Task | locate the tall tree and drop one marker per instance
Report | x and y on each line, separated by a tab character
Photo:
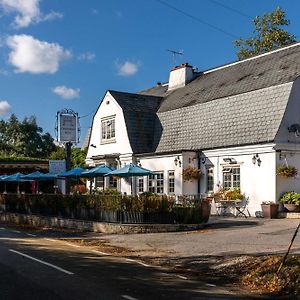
268	34
77	157
24	138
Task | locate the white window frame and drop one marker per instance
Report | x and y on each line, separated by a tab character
233	173
210	179
171	182
156	183
108	130
140	184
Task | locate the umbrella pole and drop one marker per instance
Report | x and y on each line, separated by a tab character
91	184
37	187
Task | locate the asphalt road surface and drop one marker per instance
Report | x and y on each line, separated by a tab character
36	267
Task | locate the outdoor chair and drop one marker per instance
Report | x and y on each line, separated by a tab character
242	208
218	205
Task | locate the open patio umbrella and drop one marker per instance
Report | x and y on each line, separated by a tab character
2	177
96	172
130	170
38	176
73	173
17	177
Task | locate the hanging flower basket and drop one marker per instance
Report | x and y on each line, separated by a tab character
191	173
287	171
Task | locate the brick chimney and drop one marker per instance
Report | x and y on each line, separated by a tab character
180	76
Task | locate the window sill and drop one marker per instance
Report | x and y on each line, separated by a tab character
111	141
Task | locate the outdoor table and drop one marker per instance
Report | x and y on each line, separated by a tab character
225	205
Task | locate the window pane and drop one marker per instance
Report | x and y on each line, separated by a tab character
171	181
140	184
210	179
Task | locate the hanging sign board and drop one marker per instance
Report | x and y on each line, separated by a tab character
67	127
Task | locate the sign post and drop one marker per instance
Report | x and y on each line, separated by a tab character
67	130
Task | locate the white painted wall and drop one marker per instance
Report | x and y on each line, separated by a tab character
257	183
180	76
109	107
164	163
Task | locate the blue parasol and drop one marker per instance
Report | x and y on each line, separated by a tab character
97	171
73	173
130	170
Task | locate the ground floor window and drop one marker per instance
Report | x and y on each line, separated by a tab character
171	182
113	182
231	177
156	183
210	179
140	184
99	182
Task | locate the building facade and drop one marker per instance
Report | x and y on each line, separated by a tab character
236	123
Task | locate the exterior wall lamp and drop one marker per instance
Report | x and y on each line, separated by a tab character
230	160
177	161
256	159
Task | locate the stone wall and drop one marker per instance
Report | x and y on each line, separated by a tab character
81	225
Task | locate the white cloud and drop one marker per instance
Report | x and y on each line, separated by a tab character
86	56
34	56
4	107
27	11
65	92
127	68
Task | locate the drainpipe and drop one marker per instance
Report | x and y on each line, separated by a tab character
199	167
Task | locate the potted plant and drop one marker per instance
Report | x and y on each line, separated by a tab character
191	173
287	171
233	194
269	209
291	201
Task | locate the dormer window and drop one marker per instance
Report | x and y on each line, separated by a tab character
108	133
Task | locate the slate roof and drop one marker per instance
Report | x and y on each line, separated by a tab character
252	74
249	118
238	104
140	118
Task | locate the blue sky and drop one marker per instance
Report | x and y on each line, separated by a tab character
59	54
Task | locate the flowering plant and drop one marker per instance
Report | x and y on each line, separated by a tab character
191	173
287	171
232	194
79	189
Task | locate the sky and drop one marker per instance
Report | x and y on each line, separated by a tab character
57	54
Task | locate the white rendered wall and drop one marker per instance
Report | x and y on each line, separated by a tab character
164	164
109	107
257	183
180	76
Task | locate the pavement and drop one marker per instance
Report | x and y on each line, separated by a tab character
220	237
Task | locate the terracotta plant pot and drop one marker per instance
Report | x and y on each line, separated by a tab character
292	207
269	211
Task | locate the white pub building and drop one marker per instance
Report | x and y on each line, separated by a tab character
236	122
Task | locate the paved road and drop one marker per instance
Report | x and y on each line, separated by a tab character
35	267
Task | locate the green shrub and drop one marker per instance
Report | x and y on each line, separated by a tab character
290	198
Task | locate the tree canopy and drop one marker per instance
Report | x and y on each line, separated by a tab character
78	156
268	34
24	138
